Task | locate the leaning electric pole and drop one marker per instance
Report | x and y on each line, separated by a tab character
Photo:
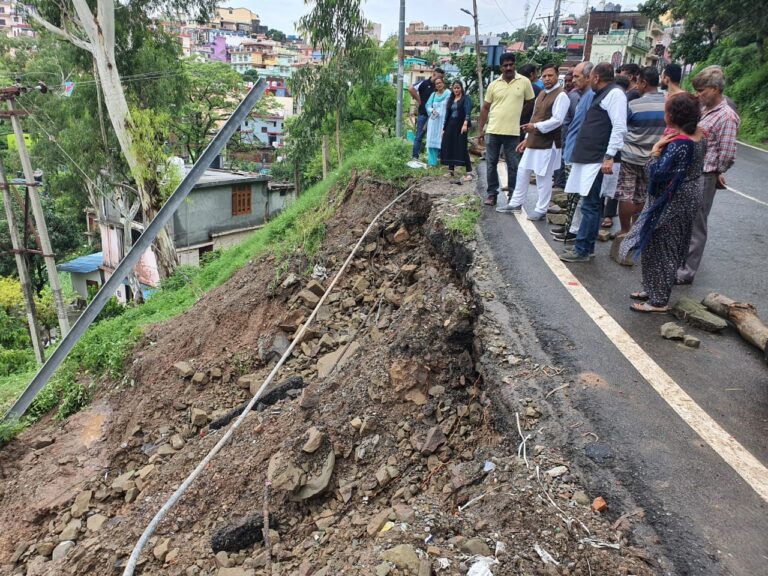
552	33
10	94
400	70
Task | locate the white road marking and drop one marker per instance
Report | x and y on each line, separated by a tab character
751	146
747	196
726	446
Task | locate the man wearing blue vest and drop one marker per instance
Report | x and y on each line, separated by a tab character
599	140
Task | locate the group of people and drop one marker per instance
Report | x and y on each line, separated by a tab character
630	143
444	116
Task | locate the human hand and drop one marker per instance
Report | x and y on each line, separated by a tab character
520	148
463	128
481	138
607	167
530	128
721	184
658	148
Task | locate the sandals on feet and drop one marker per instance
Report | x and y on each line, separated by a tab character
468	178
641	295
606	223
646	308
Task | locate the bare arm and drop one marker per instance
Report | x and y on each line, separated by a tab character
528	107
483	119
415	95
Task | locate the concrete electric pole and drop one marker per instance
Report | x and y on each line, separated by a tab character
400	70
552	36
478	63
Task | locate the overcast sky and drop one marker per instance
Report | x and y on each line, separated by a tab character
495	15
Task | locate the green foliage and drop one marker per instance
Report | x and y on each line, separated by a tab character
112	309
13	331
530	36
541	56
251	75
466	220
11	298
746	73
16	360
276	35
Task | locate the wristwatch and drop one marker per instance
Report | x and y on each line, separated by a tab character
608	157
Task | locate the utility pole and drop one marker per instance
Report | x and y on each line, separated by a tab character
400	70
21	266
478	63
552	36
37	210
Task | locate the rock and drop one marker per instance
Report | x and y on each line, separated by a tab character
319	482
41	442
95	522
557	471
240	535
160	551
557	219
165	450
383	569
404	513
382	476
309	298
531	412
310	398
131	494
236	571
475	547
244	382
314	441
315	287
177	442
696	314
283	473
71	530
435	439
290	280
45	548
124	482
215	373
19	552
360	286
604	235
691	341
356	423
513	360
184	369
62	550
337	358
437	391
615	253
425	569
200	379
172	556
401	235
672	331
222	559
198	417
377	522
599	504
403	556
273	346
581	498
82	503
146	471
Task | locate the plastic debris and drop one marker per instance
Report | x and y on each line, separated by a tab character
481	566
545	556
489	466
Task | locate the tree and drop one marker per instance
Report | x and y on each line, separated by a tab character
529	36
251	75
468	73
93	29
276	35
707	22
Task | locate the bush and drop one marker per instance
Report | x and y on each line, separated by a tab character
12	361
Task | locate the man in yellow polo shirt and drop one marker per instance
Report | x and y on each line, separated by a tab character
504	101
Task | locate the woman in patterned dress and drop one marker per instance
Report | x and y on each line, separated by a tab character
662	232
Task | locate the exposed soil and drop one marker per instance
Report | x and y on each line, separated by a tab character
403	457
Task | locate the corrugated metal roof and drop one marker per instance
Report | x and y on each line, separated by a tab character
83	264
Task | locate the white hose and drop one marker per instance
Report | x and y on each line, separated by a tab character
130	567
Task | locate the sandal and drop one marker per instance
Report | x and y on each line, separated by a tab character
646	308
468	178
642	296
607	223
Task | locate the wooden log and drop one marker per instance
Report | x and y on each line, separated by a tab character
743	316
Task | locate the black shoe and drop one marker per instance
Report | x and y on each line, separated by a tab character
565	237
557	230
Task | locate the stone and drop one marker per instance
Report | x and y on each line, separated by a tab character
177	442
696	314
437	391
124	482
403	556
604	235
172	556
599	504
19	552
131	494
290	280
360	286
198	417
310	398
222	559
184	369
62	550
401	236
41	442
235	571
240	535
691	341
672	331
283	473
377	522
435	439
161	549
200	379
319	482
404	513
531	412
215	373
45	548
513	360
314	441
557	471
82	503
581	498
165	450
71	530
615	254
425	569
383	569
95	522
338	358
348	303
475	547
245	381
382	476
309	298
146	471
557	219
315	287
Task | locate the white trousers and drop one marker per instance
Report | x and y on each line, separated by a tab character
543	188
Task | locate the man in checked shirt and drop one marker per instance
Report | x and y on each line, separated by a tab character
720	123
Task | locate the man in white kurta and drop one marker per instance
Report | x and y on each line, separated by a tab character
542	147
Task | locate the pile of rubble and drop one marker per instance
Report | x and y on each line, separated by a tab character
378	451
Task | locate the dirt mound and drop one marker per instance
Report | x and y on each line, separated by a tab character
384	456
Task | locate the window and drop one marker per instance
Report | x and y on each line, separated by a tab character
241	199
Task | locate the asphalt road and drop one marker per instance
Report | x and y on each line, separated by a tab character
708	519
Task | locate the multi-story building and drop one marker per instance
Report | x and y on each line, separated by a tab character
624	37
238	20
13	21
419	35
